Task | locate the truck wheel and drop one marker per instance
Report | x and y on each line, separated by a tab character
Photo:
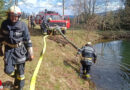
64	31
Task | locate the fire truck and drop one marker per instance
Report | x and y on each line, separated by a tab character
57	20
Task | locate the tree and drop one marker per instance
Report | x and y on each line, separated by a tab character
126	16
1	7
4	5
8	3
1	10
84	8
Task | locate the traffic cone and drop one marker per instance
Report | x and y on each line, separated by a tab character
1	87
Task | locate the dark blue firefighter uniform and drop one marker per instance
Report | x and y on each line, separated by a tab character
32	22
88	57
44	25
16	40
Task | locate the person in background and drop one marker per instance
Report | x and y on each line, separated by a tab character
45	24
32	22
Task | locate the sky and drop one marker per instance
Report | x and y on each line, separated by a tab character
34	6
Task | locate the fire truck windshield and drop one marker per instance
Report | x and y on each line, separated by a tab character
54	17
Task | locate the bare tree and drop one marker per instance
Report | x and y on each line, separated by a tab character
84	11
93	8
77	8
86	7
89	6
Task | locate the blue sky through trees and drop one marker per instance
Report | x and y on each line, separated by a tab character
34	6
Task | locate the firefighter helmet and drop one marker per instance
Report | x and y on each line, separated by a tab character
14	10
88	43
49	19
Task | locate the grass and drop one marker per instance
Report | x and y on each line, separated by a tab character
54	74
57	72
59	69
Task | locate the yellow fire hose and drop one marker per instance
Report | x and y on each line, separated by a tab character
33	80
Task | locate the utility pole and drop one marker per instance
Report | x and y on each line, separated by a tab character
16	2
63	6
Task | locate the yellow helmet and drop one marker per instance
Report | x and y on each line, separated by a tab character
14	10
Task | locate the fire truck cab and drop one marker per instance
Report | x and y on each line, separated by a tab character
57	20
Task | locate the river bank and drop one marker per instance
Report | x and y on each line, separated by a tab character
115	35
60	68
81	37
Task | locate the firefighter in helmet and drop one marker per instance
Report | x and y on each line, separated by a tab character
49	19
32	22
45	25
15	38
88	57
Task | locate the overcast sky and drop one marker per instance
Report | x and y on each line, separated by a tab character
34	6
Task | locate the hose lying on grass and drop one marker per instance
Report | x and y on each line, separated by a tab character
58	28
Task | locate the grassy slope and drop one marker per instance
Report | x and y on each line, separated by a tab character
59	70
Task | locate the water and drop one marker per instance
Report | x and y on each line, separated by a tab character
112	70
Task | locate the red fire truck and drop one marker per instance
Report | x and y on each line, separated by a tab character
62	21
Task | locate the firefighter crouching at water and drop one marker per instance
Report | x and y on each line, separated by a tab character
15	37
88	57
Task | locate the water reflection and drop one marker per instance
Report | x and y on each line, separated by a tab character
112	70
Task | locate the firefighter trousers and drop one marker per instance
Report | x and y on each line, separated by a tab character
85	66
16	71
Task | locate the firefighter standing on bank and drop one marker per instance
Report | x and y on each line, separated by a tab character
88	57
45	25
32	22
15	37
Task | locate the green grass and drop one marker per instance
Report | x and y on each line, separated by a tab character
54	74
59	69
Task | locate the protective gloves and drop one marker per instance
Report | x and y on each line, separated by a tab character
79	52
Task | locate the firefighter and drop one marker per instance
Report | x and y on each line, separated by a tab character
88	57
15	38
32	22
45	25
